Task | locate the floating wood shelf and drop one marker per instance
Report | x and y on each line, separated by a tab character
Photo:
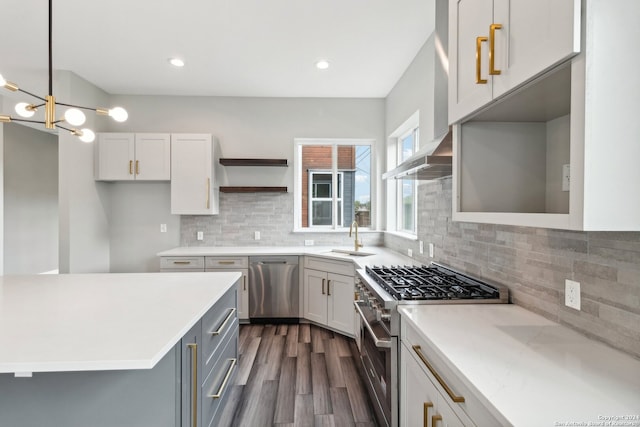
253	189
254	162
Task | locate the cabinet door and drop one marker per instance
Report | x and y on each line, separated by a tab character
535	36
192	376
153	157
315	296
468	20
340	302
114	157
418	397
192	179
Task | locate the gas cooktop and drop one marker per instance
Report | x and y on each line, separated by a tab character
433	282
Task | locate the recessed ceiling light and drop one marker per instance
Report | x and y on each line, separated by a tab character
176	62
323	64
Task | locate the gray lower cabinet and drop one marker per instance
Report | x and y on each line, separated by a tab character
188	387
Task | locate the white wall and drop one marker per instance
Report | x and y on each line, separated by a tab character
244	127
30	200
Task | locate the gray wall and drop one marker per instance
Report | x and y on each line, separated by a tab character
30	200
243	127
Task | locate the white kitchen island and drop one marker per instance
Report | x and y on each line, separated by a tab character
114	349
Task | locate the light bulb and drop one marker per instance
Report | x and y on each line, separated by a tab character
322	64
176	62
119	114
2	81
87	135
74	117
25	110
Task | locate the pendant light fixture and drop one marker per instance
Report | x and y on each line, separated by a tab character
73	116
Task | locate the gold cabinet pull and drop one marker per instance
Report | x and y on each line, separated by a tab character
182	262
208	191
329	287
479	79
194	383
492	49
425	413
130	167
452	395
226	262
224	323
137	167
323	286
435	419
224	382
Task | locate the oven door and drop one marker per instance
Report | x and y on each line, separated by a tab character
376	357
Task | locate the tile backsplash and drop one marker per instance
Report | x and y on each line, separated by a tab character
534	263
242	214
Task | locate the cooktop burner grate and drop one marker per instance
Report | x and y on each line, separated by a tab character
430	283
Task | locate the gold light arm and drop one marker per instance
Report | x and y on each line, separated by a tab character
220	392
492	48
5	119
479	79
102	111
11	86
50	112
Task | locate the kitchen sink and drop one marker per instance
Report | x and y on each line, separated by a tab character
350	252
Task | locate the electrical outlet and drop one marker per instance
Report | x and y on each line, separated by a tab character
163	228
409	252
308	242
421	247
256	235
431	250
200	235
572	294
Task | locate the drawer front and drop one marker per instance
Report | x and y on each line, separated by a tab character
178	263
471	407
226	262
220	379
218	321
330	266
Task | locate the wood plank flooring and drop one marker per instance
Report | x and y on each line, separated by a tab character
296	375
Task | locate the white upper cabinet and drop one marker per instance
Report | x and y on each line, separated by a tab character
193	187
497	45
129	156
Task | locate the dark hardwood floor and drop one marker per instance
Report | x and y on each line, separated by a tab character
296	375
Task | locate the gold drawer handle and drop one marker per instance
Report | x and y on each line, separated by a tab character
479	79
226	262
182	262
492	49
208	192
435	419
323	286
137	167
220	392
194	383
425	413
329	287
452	395
130	167
224	324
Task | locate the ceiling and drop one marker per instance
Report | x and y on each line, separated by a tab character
231	47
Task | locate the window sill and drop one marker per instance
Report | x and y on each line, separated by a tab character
333	230
404	235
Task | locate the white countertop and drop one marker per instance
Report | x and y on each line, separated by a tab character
379	255
533	371
86	322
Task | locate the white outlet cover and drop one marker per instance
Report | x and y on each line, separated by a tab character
421	247
431	250
572	294
256	235
200	235
409	252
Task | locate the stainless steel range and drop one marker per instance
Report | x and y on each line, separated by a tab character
379	290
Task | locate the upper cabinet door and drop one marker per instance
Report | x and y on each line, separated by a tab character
193	190
114	157
498	45
153	157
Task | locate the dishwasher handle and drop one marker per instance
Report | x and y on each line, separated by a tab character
272	262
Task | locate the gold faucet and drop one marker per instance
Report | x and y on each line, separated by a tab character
357	245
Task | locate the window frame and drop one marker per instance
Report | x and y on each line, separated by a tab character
400	211
337	199
334	143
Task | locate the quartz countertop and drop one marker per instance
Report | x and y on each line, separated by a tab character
87	322
532	371
377	255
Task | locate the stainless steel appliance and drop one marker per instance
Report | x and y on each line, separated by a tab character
379	290
274	289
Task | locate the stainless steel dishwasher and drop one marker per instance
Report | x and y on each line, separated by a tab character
274	289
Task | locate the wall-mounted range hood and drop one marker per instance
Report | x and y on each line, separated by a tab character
428	163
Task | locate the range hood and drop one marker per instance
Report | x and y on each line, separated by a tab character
432	162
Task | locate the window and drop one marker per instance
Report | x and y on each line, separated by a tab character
332	183
402	194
